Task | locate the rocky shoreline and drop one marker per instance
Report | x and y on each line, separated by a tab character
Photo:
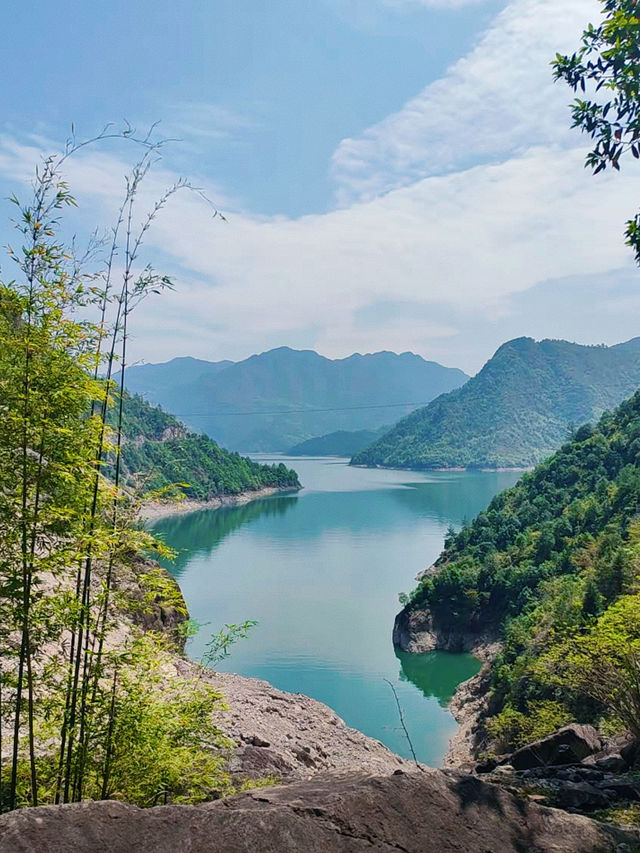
414	632
278	736
154	510
575	768
344	792
288	737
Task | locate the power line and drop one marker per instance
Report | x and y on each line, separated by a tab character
295	411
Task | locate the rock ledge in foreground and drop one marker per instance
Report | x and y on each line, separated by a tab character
428	812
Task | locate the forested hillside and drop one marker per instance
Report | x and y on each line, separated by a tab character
516	411
341	443
279	398
158	451
553	566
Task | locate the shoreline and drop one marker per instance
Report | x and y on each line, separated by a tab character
451	469
415	634
155	510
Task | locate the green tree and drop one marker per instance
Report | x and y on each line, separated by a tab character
604	663
606	68
72	707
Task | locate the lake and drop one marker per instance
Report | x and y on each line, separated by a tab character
320	570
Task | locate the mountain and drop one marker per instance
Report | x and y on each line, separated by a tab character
516	411
551	568
159	452
156	382
279	398
341	443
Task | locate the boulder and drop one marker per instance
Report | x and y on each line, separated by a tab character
428	812
630	752
619	753
486	766
608	763
568	745
623	788
582	796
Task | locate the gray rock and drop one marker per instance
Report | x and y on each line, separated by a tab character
582	796
428	812
287	735
591	774
630	752
568	745
607	763
624	788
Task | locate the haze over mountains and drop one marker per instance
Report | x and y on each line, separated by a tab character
272	401
516	411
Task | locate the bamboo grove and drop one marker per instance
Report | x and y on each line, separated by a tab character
82	711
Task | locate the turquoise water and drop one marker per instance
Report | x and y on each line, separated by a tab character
321	571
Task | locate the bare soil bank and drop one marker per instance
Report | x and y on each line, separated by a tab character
154	510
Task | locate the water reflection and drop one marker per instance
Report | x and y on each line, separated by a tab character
320	571
437	674
200	533
452	496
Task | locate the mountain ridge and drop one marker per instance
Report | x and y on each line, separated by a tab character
279	398
515	411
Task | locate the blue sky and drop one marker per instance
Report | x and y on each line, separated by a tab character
397	174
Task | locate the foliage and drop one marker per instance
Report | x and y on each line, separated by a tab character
151	745
74	708
608	65
513	729
218	647
626	815
516	411
603	662
553	565
160	453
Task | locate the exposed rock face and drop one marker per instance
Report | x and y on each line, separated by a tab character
288	735
173	432
156	615
469	707
415	813
414	632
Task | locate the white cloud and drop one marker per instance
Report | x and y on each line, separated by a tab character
466	242
494	102
423	225
204	120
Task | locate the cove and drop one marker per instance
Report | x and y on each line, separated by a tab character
320	570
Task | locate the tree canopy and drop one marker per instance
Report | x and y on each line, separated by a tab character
606	70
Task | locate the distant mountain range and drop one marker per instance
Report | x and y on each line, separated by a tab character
516	411
279	398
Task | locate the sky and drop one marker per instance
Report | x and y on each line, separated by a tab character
394	174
